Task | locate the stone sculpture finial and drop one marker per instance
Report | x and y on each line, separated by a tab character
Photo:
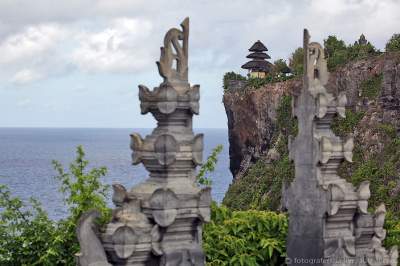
173	64
170	198
329	223
159	221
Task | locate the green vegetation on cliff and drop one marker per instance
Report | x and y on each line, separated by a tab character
377	162
252	83
378	166
393	45
381	169
371	88
231	76
343	126
260	188
336	51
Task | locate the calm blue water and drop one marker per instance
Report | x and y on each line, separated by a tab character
26	155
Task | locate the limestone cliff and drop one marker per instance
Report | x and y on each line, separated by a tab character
252	122
372	87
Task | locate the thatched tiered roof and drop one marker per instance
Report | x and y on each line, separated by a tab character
258	55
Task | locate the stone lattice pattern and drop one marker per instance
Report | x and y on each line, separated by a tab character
328	219
159	222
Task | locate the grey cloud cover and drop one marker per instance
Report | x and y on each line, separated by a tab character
50	46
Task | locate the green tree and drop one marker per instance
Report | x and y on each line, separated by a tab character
29	237
26	233
208	166
333	44
335	51
280	66
83	189
393	44
296	61
361	49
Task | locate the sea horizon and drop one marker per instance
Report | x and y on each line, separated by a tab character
26	154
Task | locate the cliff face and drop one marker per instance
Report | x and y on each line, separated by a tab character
252	122
372	87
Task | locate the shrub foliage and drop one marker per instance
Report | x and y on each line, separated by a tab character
244	237
393	45
371	88
338	53
296	61
29	237
208	166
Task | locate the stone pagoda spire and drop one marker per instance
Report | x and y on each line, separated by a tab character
259	67
159	221
328	219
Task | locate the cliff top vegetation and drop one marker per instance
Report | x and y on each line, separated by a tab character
336	51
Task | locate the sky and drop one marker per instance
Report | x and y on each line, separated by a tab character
78	63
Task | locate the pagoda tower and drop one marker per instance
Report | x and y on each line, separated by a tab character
258	66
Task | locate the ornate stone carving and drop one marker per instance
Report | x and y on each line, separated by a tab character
159	221
175	51
328	219
92	252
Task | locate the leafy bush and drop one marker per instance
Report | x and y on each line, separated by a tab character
29	237
296	61
388	129
260	188
208	166
244	237
253	82
361	49
343	126
371	88
256	83
231	76
392	226
280	67
393	44
332	44
381	170
338	53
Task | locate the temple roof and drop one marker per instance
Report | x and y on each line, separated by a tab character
286	70
258	65
258	55
258	47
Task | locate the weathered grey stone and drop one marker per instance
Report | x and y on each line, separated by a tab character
92	252
159	221
328	219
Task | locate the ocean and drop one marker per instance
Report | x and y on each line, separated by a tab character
26	155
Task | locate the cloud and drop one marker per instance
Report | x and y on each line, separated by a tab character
25	76
33	53
50	49
30	44
118	48
100	36
24	102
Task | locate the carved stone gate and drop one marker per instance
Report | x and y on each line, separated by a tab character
159	222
